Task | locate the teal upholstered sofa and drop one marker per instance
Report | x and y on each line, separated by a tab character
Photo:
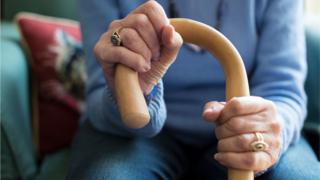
18	157
312	86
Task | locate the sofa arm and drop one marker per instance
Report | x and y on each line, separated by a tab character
15	113
312	124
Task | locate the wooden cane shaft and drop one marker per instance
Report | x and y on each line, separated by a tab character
132	105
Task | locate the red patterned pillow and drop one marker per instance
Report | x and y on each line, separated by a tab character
57	64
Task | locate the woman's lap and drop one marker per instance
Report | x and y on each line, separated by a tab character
96	155
299	162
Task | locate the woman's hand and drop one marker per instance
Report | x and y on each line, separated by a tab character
149	45
237	122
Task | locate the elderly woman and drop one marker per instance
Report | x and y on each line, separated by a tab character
177	143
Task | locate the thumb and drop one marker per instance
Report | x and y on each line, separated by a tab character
212	110
171	41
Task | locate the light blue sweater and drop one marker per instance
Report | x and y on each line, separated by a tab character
269	36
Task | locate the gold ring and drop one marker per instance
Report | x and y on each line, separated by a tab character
116	39
259	144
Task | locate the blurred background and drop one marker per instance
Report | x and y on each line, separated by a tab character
312	7
10	7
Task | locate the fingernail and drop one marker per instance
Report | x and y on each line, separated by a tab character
220	107
209	109
217	156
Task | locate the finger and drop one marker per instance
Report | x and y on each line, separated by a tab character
142	24
242	142
132	41
212	110
155	13
172	41
129	58
108	54
114	25
257	161
242	125
243	106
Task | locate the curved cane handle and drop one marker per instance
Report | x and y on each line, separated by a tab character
132	105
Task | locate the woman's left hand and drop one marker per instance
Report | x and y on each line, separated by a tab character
237	122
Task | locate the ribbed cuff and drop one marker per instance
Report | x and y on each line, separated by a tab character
152	94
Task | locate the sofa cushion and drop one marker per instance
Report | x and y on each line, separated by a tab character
17	150
9	31
57	64
312	124
313	78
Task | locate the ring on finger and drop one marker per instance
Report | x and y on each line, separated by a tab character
259	144
116	38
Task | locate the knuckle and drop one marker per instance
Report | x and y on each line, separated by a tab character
275	126
235	124
235	105
152	5
141	21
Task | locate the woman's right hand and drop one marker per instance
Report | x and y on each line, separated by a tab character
149	45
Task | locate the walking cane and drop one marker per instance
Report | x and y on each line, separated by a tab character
131	102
